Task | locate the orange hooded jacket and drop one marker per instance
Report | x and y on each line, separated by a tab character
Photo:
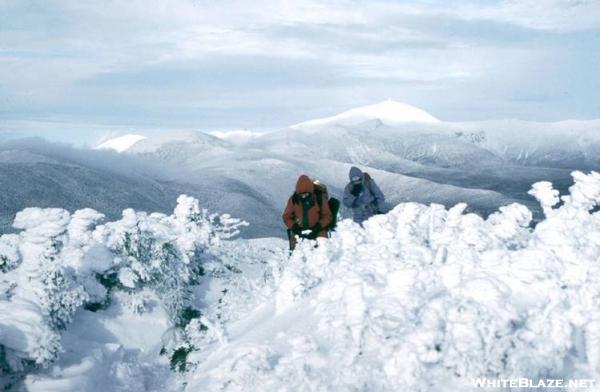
294	212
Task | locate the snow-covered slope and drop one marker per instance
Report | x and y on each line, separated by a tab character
389	112
236	136
48	179
570	144
170	143
120	143
48	175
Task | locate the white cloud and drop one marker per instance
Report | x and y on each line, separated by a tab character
283	54
562	15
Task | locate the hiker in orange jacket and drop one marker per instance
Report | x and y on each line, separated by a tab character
304	215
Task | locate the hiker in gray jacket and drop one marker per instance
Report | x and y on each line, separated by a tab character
363	195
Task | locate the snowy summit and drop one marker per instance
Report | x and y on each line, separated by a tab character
389	112
120	143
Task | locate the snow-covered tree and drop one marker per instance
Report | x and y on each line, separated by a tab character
59	262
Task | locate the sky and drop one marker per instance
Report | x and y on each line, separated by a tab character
106	67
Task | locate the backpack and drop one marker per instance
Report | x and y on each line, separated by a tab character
334	204
367	181
320	192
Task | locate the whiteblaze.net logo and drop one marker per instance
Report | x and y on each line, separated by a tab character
533	384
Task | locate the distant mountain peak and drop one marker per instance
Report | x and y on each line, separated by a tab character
120	143
389	112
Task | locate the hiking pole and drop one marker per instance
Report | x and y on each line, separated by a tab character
291	239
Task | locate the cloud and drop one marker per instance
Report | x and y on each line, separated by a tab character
560	15
270	63
548	15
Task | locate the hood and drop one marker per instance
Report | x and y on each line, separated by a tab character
304	184
354	172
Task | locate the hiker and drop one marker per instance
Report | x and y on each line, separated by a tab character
308	213
363	195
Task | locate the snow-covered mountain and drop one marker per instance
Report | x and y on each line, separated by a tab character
389	112
36	173
120	143
407	132
412	157
31	177
167	141
563	144
411	154
263	165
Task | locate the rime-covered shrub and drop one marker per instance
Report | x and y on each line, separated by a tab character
423	298
60	262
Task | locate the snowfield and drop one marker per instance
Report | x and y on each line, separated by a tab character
422	298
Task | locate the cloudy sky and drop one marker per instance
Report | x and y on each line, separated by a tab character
265	64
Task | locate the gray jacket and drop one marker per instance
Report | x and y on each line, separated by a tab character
368	201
